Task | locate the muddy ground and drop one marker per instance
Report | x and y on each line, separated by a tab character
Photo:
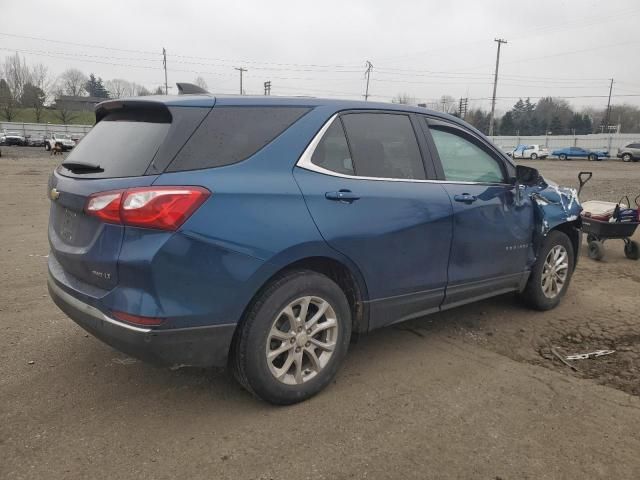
469	393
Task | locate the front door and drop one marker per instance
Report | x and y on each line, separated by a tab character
493	224
370	201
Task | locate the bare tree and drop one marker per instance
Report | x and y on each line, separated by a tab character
63	112
118	87
199	81
17	74
404	98
448	104
72	82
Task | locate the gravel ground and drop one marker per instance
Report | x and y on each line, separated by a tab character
468	393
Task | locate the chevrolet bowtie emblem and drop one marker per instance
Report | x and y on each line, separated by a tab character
54	194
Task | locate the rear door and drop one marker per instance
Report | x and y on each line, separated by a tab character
123	149
365	184
493	223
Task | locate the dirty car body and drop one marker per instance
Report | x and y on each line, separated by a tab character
406	211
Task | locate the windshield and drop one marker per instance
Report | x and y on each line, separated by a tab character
14	134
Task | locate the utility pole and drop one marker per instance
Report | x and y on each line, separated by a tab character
164	64
367	72
267	87
241	70
495	85
609	106
462	109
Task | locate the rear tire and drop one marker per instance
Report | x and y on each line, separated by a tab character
632	250
551	274
534	156
47	147
276	322
562	156
596	250
592	157
626	157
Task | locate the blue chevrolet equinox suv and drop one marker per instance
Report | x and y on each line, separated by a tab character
266	233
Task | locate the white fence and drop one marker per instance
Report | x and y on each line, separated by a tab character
40	130
611	142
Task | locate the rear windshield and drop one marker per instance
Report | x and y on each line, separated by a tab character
231	134
120	148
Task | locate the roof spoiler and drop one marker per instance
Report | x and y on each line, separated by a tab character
189	89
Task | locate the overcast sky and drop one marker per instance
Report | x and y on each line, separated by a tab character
422	48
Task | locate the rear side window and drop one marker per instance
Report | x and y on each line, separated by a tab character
633	145
231	134
383	145
332	152
121	148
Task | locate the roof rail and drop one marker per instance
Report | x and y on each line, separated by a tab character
189	88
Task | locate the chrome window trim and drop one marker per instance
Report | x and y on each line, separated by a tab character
305	162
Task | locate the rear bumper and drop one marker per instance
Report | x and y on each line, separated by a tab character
198	346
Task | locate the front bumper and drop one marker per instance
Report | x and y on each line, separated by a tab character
198	346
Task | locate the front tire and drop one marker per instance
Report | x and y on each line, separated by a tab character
626	157
534	156
551	274
47	147
293	338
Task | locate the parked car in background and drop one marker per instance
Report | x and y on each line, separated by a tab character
530	151
12	138
35	141
577	152
506	150
630	153
65	142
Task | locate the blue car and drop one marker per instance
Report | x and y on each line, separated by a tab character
266	233
577	152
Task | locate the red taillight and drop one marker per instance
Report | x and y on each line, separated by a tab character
105	206
137	319
164	208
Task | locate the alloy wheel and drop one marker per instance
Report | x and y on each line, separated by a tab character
302	340
555	271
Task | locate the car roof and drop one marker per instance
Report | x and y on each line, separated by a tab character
209	100
273	100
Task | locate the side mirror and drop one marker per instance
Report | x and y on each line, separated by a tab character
527	175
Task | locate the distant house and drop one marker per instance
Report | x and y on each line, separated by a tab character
77	103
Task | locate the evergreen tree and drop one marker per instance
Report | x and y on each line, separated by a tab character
95	87
7	102
507	125
556	125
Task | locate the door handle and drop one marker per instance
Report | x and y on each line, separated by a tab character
465	198
342	196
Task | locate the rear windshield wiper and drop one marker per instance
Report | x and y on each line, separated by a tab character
82	166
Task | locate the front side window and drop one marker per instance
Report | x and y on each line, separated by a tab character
332	153
463	161
383	145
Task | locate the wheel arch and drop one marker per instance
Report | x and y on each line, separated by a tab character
573	230
340	270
